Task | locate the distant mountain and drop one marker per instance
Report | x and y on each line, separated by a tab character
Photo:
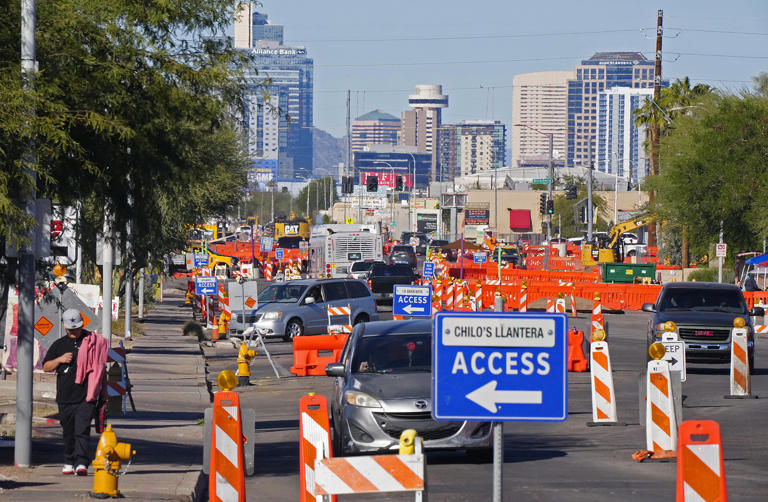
328	152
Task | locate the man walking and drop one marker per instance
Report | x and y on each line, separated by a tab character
75	411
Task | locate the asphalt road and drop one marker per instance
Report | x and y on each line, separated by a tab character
543	461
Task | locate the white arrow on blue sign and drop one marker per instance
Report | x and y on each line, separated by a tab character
429	269
201	260
206	285
412	300
500	366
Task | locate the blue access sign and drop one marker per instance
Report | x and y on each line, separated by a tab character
266	243
279	253
429	269
480	257
500	366
206	285
411	300
201	260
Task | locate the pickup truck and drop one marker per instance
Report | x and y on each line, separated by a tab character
382	278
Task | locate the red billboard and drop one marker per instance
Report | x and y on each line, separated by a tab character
388	178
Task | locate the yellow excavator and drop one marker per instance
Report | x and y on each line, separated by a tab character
610	249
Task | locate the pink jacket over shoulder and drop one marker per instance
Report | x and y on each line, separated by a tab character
91	360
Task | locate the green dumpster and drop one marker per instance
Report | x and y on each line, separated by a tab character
627	272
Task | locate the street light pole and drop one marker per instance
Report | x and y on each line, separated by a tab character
392	202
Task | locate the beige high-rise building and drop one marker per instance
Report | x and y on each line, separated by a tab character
539	101
419	126
374	128
243	26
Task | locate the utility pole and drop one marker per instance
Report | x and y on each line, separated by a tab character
590	217
26	334
128	272
348	167
720	258
549	197
654	127
108	259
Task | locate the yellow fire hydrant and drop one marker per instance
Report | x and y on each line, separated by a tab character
244	357
223	324
109	456
407	442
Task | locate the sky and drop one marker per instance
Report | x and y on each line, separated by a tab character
381	49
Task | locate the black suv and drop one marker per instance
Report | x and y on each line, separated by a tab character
704	314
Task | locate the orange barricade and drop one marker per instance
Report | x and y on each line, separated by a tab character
755	297
226	481
700	469
576	360
315	443
307	358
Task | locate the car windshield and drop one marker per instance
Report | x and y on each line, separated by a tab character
361	266
711	300
282	293
402	249
393	354
391	270
288	242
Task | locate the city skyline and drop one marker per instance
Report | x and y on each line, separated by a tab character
382	61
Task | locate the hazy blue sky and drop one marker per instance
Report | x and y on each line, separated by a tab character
474	48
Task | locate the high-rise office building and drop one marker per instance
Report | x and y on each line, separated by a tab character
471	147
539	108
374	128
243	26
619	145
278	115
603	71
420	125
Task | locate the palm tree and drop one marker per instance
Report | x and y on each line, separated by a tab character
676	100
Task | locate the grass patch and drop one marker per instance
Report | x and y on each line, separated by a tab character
710	275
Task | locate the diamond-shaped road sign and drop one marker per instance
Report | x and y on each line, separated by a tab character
48	311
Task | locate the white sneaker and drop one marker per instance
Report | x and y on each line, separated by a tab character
81	470
68	469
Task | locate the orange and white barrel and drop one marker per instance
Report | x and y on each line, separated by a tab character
550	305
740	380
603	395
560	305
661	426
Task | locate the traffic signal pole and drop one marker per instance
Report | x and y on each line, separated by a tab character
549	197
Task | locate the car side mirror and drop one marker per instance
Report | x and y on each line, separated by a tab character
309	300
758	311
649	307
334	370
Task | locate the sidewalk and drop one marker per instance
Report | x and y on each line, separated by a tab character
167	371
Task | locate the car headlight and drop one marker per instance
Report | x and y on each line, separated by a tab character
271	316
357	398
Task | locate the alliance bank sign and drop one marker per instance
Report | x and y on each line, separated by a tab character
280	52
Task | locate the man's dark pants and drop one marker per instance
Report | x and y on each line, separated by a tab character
76	421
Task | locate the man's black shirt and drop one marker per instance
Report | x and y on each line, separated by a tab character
67	391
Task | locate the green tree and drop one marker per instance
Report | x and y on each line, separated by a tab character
714	173
131	100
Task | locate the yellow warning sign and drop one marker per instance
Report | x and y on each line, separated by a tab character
349	221
43	326
250	302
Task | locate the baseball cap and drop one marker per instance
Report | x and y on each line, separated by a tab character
72	319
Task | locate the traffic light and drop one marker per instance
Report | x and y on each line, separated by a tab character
372	183
347	184
571	192
543	203
550	207
399	183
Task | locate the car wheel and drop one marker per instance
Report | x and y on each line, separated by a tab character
293	329
481	455
361	318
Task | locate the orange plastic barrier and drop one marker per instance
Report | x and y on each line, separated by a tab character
307	359
227	468
754	297
700	469
315	433
576	360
